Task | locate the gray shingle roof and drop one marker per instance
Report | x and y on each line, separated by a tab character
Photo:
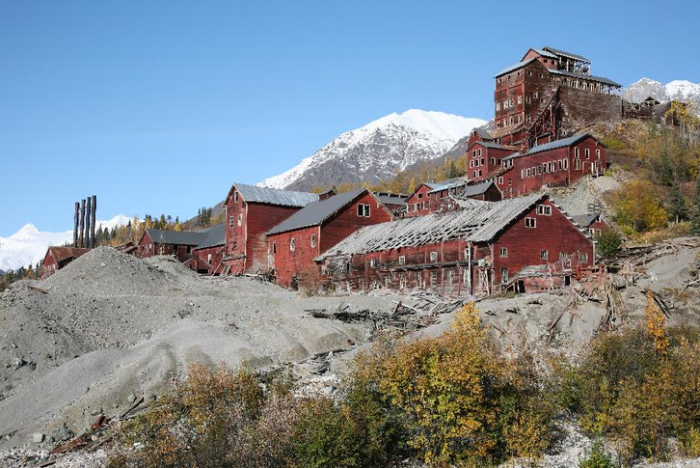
177	238
564	142
317	212
254	194
215	236
585	77
514	67
566	54
478	221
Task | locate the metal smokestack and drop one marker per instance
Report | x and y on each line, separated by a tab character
88	222
75	224
94	221
81	241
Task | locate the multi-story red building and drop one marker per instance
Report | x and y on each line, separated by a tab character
482	248
548	95
434	197
297	241
250	212
559	163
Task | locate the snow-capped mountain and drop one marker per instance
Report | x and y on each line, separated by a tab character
680	90
378	150
28	245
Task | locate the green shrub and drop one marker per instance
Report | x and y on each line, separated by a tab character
597	458
609	242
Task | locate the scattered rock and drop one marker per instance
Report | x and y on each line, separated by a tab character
37	437
131	398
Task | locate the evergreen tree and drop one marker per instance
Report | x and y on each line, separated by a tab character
99	237
163	224
696	210
677	208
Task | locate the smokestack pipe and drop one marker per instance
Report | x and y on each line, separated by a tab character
88	222
75	224
94	220
81	241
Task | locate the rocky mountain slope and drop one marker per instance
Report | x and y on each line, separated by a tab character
378	150
680	90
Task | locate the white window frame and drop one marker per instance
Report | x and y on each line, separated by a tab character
363	209
531	223
544	210
292	244
544	254
402	260
504	252
313	240
433	256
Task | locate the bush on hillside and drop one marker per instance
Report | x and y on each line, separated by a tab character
609	242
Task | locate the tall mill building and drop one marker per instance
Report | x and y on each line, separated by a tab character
548	95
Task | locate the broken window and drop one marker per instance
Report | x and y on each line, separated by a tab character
292	244
433	256
544	254
433	279
402	260
587	152
402	281
274	247
544	210
504	252
584	258
230	221
235	197
504	275
373	263
363	210
530	223
240	219
313	240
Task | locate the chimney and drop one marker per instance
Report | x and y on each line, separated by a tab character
94	221
88	221
75	224
81	240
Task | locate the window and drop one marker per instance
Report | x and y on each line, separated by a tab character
483	161
577	164
451	277
363	210
544	210
235	196
313	240
498	106
500	180
479	152
565	164
587	152
530	223
240	219
274	247
597	154
402	281
504	252
471	164
230	221
433	256
560	165
520	99
433	278
510	181
544	254
420	195
576	154
373	263
504	275
584	258
402	260
292	244
537	93
563	256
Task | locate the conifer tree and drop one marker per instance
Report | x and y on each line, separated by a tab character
678	210
696	209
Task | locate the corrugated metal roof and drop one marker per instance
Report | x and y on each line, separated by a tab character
515	67
476	189
64	253
391	200
478	221
215	236
254	194
483	133
160	236
447	184
564	142
544	53
317	212
585	77
492	145
566	54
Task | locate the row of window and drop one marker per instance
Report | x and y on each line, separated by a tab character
231	220
293	244
587	153
546	168
477	162
433	280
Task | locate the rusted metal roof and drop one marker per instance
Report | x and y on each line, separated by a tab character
61	254
563	143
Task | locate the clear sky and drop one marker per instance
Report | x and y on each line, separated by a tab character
158	106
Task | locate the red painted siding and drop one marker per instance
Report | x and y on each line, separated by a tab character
418	203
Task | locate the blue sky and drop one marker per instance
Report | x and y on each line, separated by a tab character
158	106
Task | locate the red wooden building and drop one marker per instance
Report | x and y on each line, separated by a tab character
435	197
548	95
207	257
294	243
175	243
595	223
477	250
58	257
250	212
559	163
